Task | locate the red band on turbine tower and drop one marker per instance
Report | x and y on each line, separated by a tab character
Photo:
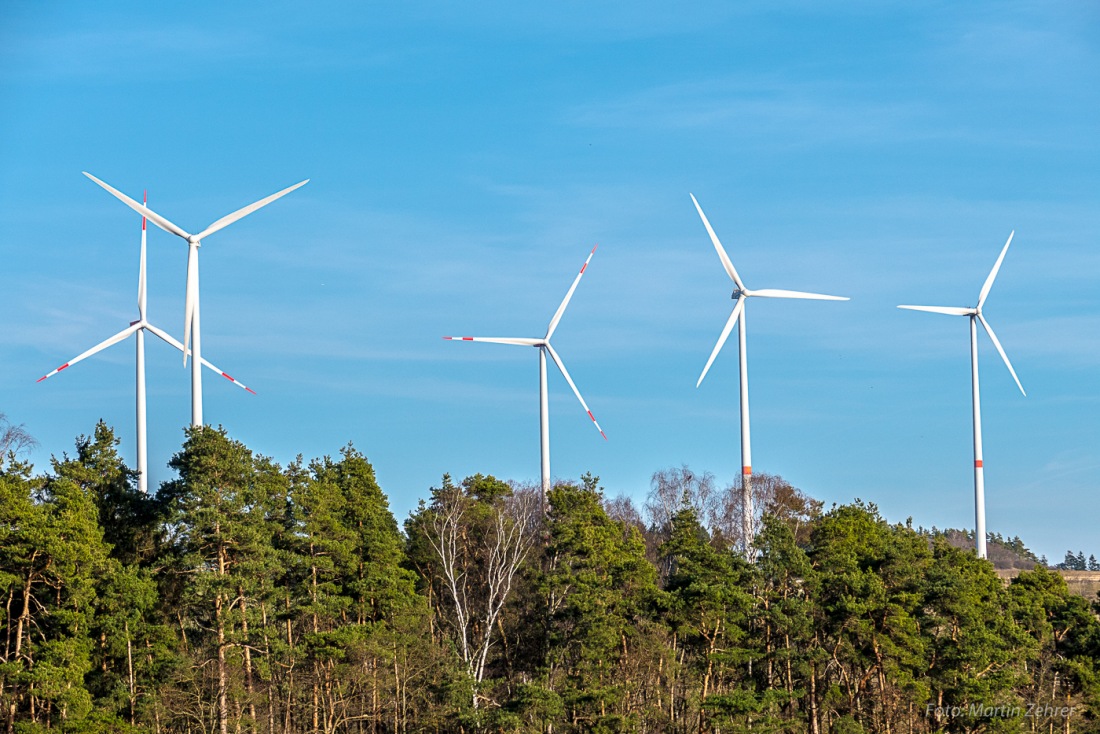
746	470
977	463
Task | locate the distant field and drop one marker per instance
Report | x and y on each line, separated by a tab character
1085	583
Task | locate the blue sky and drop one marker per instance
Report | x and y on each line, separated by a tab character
465	158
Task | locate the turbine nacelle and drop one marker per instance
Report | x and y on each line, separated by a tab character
544	343
737	316
976	318
740	292
191	289
976	311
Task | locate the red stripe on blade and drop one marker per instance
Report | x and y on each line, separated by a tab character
62	366
746	470
978	464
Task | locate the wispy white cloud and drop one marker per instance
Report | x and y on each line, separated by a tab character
764	107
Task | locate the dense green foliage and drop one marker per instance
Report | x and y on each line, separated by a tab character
250	597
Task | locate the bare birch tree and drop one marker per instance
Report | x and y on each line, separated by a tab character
771	495
14	439
480	547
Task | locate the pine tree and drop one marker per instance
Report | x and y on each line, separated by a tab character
127	516
974	649
132	654
51	555
1063	658
389	618
793	660
868	606
709	609
220	535
600	591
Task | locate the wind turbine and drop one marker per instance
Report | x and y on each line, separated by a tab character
543	345
975	315
139	328
191	301
740	294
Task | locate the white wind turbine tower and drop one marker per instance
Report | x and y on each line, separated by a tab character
544	348
139	328
191	301
740	293
975	315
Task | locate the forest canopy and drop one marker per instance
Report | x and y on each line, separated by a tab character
246	596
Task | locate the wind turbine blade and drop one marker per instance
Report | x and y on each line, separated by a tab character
498	340
97	348
1000	349
190	295
142	210
949	310
777	293
722	339
141	268
726	263
565	301
244	212
171	340
165	336
993	274
565	374
235	381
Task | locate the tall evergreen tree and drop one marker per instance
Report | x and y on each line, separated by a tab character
710	603
127	516
793	661
52	555
1063	663
870	595
973	649
132	654
220	534
600	592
